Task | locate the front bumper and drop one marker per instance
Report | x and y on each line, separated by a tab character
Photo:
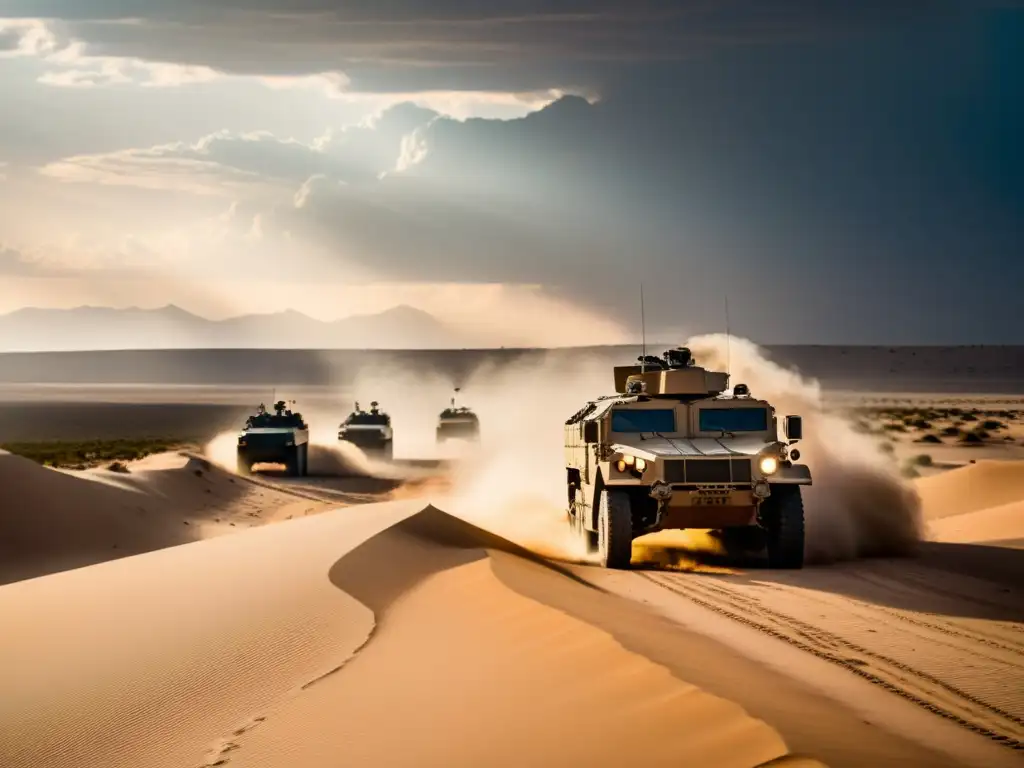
706	507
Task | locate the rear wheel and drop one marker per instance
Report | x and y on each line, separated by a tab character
615	529
244	467
783	518
304	459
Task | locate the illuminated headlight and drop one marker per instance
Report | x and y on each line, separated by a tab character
621	465
641	465
768	465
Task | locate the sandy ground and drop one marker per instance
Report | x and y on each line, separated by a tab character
251	655
359	633
54	520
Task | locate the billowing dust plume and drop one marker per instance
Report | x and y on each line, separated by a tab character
512	482
858	505
327	457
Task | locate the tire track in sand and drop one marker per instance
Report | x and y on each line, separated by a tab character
841	644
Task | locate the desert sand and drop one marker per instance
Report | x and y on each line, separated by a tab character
178	615
245	657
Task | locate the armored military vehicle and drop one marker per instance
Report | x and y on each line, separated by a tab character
673	449
281	437
370	430
457	423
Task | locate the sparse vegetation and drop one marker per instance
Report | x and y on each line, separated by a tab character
910	471
80	455
930	438
886	447
971	438
992	425
923	460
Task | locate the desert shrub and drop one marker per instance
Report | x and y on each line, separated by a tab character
79	455
951	431
992	424
886	447
971	438
895	427
929	438
118	466
969	417
910	471
920	424
924	460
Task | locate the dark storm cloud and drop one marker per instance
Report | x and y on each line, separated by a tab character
449	44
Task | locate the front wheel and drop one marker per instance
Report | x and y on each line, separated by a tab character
615	530
244	466
783	518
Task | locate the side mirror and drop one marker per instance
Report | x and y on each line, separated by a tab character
794	428
590	431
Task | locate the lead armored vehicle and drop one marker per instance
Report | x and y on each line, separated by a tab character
281	437
673	449
370	430
457	423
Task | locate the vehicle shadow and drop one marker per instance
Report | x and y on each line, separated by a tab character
974	581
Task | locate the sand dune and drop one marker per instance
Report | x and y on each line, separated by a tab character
52	520
233	651
985	484
979	503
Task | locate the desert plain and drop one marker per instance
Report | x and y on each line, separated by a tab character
160	610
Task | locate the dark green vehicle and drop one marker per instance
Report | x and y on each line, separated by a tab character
281	437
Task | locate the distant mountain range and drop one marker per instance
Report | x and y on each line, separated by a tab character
170	327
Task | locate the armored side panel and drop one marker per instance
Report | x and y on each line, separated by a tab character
676	381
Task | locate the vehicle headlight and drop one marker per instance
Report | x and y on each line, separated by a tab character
768	465
641	465
628	460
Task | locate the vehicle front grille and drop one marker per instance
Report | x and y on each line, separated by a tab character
707	470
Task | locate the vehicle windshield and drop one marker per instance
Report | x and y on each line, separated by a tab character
733	419
646	420
368	419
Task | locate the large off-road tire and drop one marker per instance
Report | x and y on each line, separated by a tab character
783	518
304	460
244	465
614	529
387	453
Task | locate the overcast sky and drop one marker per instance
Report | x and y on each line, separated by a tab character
842	172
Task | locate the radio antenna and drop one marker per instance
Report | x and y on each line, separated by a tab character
643	332
728	341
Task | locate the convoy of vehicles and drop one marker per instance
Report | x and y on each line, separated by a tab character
673	448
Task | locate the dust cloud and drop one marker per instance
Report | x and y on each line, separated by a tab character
858	505
513	482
